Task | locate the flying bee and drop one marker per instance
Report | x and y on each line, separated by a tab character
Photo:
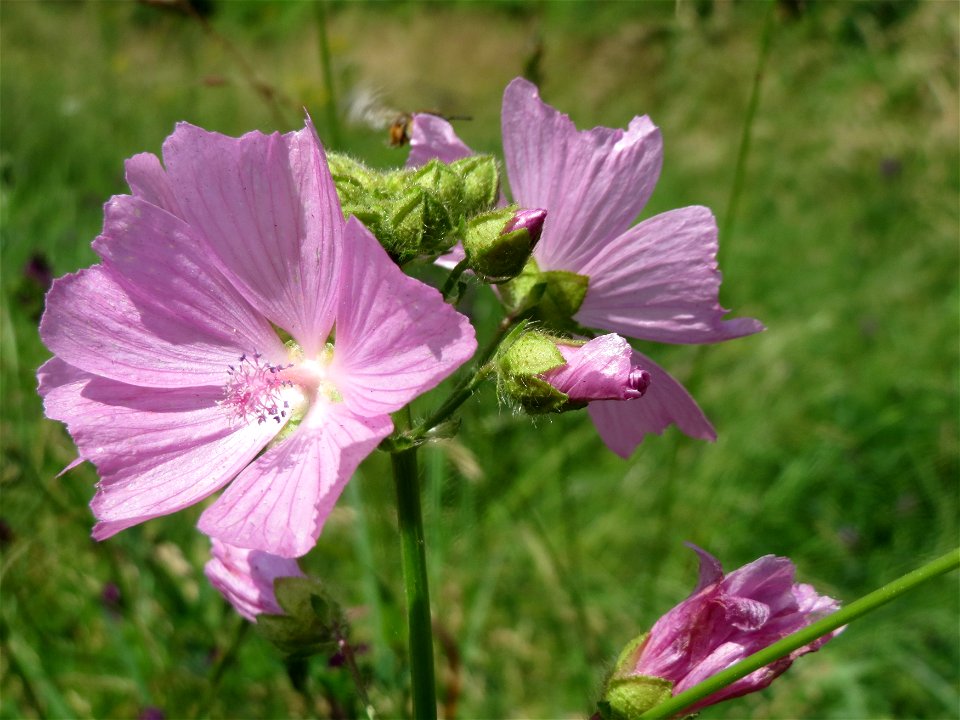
366	107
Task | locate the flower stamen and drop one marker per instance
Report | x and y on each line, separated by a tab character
254	390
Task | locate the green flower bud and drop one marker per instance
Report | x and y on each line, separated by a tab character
481	182
553	296
519	367
627	698
309	625
498	243
354	180
443	183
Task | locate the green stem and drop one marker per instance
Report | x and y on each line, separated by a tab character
414	563
740	170
330	106
452	278
675	705
465	388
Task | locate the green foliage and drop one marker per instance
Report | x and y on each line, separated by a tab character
838	426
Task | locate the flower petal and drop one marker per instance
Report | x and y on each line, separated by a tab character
245	577
597	370
94	324
280	502
434	137
659	281
593	184
148	180
396	337
711	571
156	451
159	260
267	208
623	425
768	579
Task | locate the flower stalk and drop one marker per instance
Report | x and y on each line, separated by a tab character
868	603
414	563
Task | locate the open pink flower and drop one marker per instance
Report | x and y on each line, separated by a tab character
657	280
169	370
245	577
728	618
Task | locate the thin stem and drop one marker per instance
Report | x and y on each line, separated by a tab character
275	101
355	673
464	389
452	278
868	603
414	563
745	136
223	662
333	122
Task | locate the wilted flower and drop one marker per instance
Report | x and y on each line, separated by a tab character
726	619
245	577
657	280
206	336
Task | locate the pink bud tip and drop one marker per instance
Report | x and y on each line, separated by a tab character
638	381
529	220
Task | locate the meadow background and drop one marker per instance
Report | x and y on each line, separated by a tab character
838	426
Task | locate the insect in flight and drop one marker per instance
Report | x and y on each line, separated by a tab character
366	107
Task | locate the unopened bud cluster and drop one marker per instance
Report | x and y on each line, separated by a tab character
416	212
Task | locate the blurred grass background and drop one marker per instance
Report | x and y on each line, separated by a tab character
838	426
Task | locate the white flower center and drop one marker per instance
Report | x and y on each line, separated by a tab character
260	390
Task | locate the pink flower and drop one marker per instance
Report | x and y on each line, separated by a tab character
657	280
169	370
728	618
245	578
601	369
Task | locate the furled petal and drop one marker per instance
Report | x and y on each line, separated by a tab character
711	571
768	579
601	369
245	577
396	338
94	324
659	281
433	137
623	425
148	180
280	502
721	658
746	613
267	208
593	184
156	451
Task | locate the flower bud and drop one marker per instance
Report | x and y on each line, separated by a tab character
353	180
481	182
553	296
726	619
544	373
498	243
245	577
443	183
